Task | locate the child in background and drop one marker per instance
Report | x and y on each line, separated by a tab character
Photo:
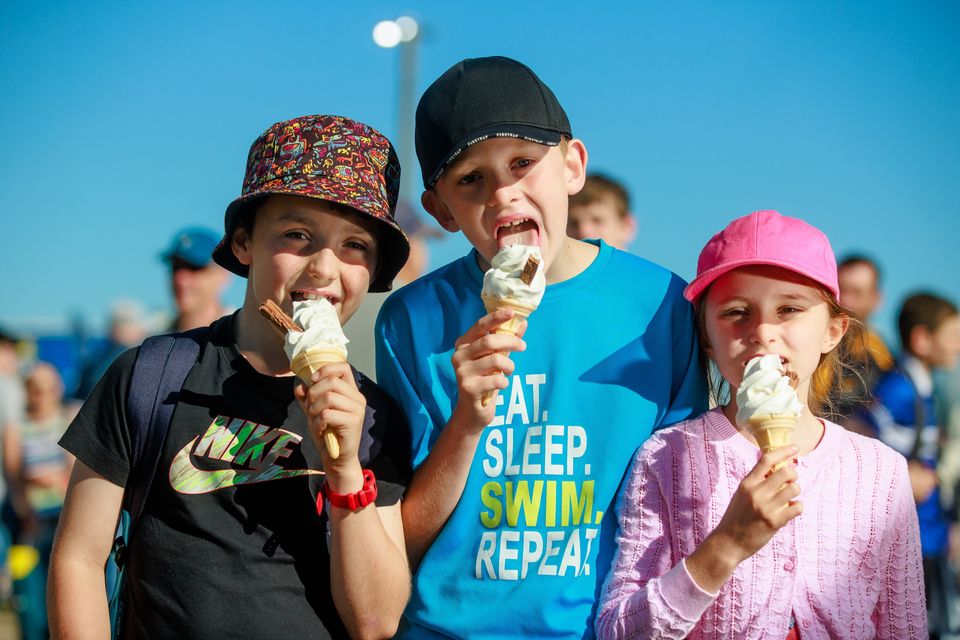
904	416
38	470
251	529
602	210
509	515
714	543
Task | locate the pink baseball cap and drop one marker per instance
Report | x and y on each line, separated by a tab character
768	238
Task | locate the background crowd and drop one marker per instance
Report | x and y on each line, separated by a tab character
909	396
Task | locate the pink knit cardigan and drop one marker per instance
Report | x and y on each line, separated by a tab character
847	567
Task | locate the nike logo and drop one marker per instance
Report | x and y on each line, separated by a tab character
239	442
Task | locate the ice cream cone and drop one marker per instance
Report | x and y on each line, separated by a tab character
511	327
305	365
773	431
520	310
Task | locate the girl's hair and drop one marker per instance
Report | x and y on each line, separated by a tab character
829	386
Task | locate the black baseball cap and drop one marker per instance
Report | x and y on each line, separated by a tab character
480	98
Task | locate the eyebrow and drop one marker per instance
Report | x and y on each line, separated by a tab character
307	219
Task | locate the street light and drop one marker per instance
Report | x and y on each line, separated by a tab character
404	33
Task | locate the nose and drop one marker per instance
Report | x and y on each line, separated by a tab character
323	266
502	190
763	332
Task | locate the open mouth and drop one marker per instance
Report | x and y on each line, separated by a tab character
296	296
518	231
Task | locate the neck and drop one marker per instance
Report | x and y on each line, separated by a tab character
573	259
260	343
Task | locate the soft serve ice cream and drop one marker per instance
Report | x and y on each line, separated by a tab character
321	342
766	390
767	404
514	281
503	280
321	329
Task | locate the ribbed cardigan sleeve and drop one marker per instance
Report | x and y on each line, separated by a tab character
648	593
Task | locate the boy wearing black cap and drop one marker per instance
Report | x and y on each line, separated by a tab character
234	539
509	515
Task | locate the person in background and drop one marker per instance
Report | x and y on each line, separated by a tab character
903	415
12	402
38	471
128	328
360	328
196	281
602	210
859	278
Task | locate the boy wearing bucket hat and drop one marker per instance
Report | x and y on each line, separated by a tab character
509	515
250	529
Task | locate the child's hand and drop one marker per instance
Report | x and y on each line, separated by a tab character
762	505
333	402
481	362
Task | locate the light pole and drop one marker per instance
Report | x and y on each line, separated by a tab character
405	33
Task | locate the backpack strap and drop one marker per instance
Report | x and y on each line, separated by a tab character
159	371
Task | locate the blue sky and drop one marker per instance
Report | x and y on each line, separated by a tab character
124	121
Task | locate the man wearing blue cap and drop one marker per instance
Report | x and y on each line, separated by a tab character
196	281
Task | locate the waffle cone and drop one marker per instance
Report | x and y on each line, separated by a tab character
773	431
520	310
511	327
308	362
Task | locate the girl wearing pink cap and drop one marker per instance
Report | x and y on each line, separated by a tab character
719	541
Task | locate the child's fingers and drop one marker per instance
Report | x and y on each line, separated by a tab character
345	386
478	386
783	475
788	512
768	460
491	345
484	325
490	363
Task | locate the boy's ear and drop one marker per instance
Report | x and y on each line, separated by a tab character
629	226
240	244
575	166
835	332
920	339
436	207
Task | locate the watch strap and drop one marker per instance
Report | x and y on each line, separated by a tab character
352	501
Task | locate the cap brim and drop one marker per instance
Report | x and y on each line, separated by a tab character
698	285
393	243
503	130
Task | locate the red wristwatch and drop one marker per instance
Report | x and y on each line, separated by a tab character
352	501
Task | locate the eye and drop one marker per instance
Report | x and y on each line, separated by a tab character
295	235
523	162
735	313
791	309
469	178
357	245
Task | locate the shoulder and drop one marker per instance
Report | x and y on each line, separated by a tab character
644	274
429	289
676	439
869	456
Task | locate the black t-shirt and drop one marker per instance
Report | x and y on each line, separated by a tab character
229	543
